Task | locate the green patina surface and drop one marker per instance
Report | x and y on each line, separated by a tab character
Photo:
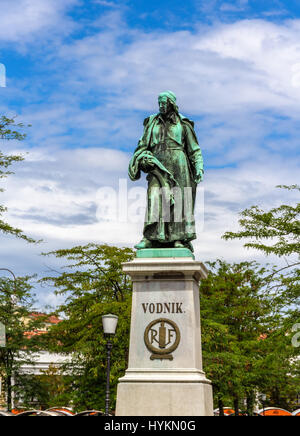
164	252
169	153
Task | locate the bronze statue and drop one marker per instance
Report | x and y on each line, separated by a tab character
169	153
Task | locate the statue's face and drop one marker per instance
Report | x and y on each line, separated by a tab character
164	105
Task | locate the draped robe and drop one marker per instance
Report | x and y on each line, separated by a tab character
173	147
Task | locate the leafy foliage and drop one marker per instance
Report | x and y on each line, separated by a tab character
280	226
9	130
93	284
16	307
277	232
46	390
6	131
247	347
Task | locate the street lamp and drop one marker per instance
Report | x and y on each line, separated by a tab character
109	327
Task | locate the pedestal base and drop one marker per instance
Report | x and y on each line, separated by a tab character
164	399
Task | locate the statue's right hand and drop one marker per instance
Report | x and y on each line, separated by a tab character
147	164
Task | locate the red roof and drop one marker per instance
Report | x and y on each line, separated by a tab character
49	319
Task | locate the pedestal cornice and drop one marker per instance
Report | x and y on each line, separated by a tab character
169	268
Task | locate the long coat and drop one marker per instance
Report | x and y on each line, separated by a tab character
172	183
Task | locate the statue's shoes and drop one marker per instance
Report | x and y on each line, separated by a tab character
178	244
190	246
145	243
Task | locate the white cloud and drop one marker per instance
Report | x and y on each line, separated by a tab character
24	20
106	3
237	6
215	69
270	53
228	73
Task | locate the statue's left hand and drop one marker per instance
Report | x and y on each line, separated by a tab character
199	176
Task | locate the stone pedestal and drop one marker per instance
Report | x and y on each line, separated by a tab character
164	375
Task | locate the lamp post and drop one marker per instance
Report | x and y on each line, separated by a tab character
109	327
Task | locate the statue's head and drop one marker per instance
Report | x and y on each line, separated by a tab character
167	102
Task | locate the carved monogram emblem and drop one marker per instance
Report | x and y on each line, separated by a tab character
162	337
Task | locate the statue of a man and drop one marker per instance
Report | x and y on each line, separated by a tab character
169	153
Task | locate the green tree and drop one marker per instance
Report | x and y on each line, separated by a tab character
245	346
233	309
93	285
279	370
9	130
48	389
277	232
16	307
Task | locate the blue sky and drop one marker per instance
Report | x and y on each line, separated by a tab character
86	73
